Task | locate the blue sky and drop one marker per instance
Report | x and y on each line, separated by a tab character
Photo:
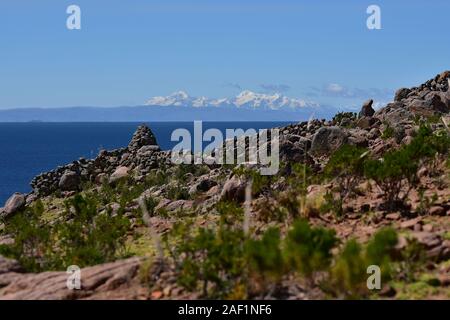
128	51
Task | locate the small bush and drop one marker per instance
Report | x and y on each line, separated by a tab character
32	245
380	248
210	260
265	257
178	192
348	275
346	165
81	237
156	178
90	238
260	183
332	204
183	171
349	272
388	132
396	173
308	249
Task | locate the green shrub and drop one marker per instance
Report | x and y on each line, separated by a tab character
381	246
348	274
388	132
412	260
269	210
183	171
151	203
81	237
90	238
32	245
346	165
293	202
177	192
396	173
265	255
425	203
210	260
332	204
301	177
230	212
260	183
156	178
308	249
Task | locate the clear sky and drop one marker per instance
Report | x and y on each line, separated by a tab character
128	51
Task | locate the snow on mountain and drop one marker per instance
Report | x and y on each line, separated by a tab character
179	98
246	99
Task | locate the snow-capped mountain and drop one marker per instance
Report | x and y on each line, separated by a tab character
246	99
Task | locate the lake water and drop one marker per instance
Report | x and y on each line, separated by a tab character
28	149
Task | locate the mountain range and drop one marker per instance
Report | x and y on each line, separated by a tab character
179	106
245	100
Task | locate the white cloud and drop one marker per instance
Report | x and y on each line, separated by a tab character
335	88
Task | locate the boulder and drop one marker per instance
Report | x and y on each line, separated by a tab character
328	139
401	94
202	185
119	174
115	280
147	150
178	205
9	265
433	103
358	138
70	181
367	110
293	148
437	101
101	178
437	211
444	76
233	190
15	203
366	122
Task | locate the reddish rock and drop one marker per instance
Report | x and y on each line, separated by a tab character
437	211
409	224
114	280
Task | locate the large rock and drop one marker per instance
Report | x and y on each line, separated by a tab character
233	190
444	76
434	103
70	181
8	265
15	203
358	137
293	148
366	122
142	137
203	184
367	110
120	174
116	280
401	94
328	139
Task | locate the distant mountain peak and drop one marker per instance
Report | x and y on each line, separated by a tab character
246	99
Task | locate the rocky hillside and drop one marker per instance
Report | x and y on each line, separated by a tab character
362	189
